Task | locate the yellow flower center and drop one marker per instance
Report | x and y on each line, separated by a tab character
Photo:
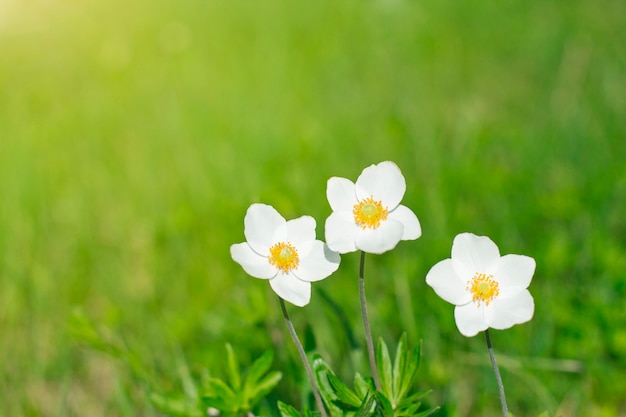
369	213
483	288
284	256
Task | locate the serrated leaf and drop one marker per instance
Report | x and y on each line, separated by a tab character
343	393
287	411
234	375
383	363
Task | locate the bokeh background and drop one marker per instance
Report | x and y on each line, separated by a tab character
134	135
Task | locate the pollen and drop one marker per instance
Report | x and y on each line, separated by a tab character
284	256
369	213
483	288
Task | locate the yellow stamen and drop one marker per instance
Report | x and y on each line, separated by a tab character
483	288
369	213
284	256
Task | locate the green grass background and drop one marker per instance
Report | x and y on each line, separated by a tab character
134	135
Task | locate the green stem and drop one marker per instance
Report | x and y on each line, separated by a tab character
305	362
366	325
496	371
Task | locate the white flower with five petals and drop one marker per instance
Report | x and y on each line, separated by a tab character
367	215
284	252
487	289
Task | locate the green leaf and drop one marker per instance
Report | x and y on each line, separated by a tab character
343	393
175	406
410	372
263	387
399	369
383	405
416	396
219	395
365	409
544	414
362	386
287	411
321	371
233	368
256	371
383	362
427	412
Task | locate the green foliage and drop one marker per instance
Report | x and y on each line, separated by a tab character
397	379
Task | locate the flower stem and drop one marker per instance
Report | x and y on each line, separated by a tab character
366	325
496	371
305	362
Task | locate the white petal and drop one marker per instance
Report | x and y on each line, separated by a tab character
318	264
515	271
264	226
301	233
503	313
475	253
447	284
404	215
254	264
381	239
341	194
340	231
470	319
383	182
291	289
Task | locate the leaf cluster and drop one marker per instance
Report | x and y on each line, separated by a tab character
363	400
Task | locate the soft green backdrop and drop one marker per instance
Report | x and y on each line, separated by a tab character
134	135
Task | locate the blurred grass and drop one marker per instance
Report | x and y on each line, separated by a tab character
133	137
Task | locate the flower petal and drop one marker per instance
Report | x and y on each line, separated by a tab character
447	284
404	215
515	271
254	264
475	254
503	313
381	239
383	182
318	264
341	194
290	288
470	319
341	231
301	234
264	226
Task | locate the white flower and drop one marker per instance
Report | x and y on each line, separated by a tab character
487	289
285	252
367	215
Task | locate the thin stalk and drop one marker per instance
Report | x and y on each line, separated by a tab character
496	371
366	325
305	362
